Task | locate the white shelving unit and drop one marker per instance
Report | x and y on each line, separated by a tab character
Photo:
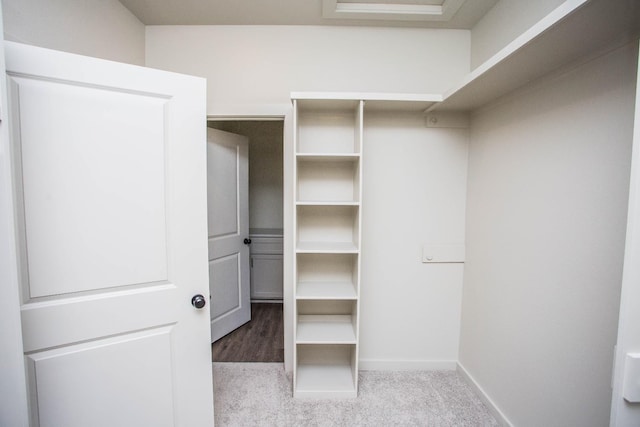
328	178
327	224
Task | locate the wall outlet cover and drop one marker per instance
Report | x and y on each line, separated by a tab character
631	387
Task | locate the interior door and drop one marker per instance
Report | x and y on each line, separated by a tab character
110	172
228	199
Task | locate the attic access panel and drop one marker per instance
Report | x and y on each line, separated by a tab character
394	10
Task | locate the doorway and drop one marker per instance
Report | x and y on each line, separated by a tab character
262	338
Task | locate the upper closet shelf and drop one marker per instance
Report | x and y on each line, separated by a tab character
372	101
575	31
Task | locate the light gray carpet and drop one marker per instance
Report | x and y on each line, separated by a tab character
259	394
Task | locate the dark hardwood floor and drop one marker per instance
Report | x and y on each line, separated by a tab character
260	340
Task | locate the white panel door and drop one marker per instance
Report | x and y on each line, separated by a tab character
228	198
110	172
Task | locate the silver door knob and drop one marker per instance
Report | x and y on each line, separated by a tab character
198	301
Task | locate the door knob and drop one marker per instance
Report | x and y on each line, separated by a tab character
198	301
247	241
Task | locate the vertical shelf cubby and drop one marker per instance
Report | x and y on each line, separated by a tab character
328	179
327	223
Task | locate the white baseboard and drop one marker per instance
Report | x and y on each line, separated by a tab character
493	408
406	365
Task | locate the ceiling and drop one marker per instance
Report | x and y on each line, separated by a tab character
455	14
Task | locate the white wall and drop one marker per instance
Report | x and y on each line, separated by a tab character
265	169
248	65
546	215
100	28
414	192
504	22
402	299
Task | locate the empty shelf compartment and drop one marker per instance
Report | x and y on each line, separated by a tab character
336	180
323	130
326	322
326	276
326	371
328	229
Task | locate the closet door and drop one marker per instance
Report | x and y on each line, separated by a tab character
228	219
328	176
110	176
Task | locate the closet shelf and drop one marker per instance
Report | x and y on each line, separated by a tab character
557	40
319	381
326	291
328	157
574	32
326	248
372	100
325	329
327	203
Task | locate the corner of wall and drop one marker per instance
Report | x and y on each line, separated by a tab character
546	215
99	28
484	397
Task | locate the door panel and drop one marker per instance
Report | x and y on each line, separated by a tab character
226	270
223	215
100	183
139	363
228	199
110	163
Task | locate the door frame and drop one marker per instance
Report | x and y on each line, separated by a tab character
623	413
284	113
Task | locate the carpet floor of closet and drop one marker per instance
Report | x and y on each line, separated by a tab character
259	340
259	394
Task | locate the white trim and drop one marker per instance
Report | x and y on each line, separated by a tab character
392	8
491	406
393	11
406	365
262	112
